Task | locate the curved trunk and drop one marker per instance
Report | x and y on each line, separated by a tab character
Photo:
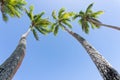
105	69
95	21
11	65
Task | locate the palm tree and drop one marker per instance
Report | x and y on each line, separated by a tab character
12	8
11	65
104	67
89	18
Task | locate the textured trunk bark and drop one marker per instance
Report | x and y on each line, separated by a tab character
11	65
105	69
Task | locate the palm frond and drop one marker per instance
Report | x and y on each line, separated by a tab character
12	8
13	11
86	29
42	22
85	25
81	14
53	27
30	12
68	24
37	17
67	15
41	30
75	16
56	30
89	8
92	25
35	34
61	11
96	14
54	15
62	26
41	14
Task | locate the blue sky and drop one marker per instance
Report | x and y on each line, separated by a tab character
62	57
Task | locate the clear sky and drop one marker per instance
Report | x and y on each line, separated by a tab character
62	57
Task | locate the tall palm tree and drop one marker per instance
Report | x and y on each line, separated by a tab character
11	65
12	8
89	18
104	67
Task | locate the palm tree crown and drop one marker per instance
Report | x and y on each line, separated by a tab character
38	23
85	16
12	8
63	18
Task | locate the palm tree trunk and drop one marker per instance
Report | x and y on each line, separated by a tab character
110	26
12	64
105	69
101	24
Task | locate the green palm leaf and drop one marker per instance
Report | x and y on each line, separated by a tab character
67	15
41	14
75	17
96	14
35	34
41	30
92	25
53	26
78	15
68	24
13	11
88	10
85	25
62	10
54	15
81	14
41	22
30	12
38	17
56	30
